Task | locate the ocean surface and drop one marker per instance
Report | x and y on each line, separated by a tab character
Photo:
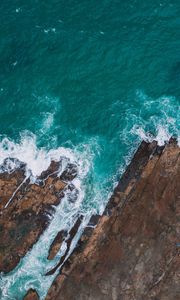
86	81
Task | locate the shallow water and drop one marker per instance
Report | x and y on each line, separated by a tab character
87	80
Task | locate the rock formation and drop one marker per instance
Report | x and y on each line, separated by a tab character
133	251
24	211
31	295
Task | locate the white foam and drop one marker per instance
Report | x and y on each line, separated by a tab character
36	159
162	135
158	119
50	30
14	63
142	134
47	122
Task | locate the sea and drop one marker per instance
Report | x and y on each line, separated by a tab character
84	81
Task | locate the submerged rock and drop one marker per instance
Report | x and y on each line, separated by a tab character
133	251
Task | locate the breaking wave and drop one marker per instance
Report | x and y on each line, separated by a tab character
153	119
149	119
37	159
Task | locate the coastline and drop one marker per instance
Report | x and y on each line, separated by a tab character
133	251
127	252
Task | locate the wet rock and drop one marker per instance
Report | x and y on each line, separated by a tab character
94	221
69	173
71	235
31	295
52	170
132	253
133	172
25	211
10	164
72	193
88	232
56	244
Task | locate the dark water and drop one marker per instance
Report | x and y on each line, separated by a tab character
91	76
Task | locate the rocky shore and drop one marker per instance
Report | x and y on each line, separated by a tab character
26	209
133	251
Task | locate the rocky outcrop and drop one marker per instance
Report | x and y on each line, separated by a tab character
25	210
56	244
133	251
31	295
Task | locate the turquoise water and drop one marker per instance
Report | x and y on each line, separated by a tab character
91	77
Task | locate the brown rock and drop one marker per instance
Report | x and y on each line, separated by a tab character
23	213
56	244
31	295
133	251
71	235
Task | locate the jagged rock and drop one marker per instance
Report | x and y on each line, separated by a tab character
52	170
25	210
69	173
55	246
71	235
31	295
133	251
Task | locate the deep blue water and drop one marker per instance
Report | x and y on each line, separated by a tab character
91	76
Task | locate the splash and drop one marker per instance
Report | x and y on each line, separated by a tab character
157	119
36	160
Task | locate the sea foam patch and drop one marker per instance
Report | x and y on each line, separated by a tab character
36	159
157	119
